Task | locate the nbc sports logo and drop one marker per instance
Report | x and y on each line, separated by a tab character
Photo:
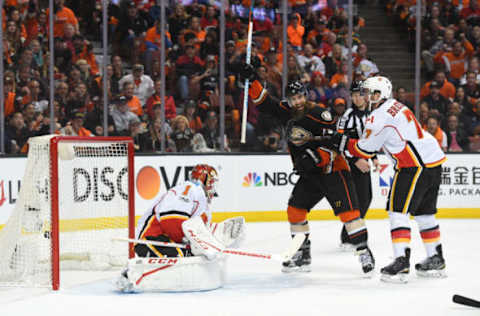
252	180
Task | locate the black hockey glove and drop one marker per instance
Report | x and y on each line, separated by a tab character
338	142
247	71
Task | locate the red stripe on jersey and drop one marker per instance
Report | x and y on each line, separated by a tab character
353	148
401	234
406	158
431	234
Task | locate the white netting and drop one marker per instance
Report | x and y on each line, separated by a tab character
93	208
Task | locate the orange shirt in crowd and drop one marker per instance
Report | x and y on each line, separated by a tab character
295	34
457	65
135	105
90	58
63	16
9	104
448	90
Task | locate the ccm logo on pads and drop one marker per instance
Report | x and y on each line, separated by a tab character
162	261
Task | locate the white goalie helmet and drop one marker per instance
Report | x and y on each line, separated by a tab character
377	84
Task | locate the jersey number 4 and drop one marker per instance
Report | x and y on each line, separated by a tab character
411	117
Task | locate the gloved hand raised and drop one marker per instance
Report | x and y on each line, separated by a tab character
247	71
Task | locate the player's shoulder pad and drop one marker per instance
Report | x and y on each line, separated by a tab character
323	115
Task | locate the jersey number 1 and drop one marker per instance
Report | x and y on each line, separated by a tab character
411	117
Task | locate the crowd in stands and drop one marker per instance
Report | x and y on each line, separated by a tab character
317	55
450	96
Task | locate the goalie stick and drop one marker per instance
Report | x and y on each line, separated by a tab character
459	299
295	244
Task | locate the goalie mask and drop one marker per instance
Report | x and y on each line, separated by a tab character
208	177
377	84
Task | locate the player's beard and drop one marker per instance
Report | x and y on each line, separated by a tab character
299	113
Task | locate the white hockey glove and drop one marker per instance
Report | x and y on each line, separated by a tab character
202	242
230	232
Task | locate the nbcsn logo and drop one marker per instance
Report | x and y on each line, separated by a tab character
252	180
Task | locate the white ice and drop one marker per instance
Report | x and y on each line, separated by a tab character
257	287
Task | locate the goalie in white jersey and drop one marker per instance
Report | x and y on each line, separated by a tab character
391	126
182	217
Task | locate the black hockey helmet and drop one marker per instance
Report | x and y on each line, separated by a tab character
295	87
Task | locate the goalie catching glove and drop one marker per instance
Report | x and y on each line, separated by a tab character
230	232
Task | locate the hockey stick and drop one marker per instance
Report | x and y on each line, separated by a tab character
459	299
247	81
295	244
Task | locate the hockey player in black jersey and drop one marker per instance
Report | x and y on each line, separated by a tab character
323	172
353	123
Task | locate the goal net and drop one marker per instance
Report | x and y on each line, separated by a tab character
76	195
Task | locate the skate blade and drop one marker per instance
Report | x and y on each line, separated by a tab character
401	278
432	274
304	268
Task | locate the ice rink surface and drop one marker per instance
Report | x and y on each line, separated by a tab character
257	287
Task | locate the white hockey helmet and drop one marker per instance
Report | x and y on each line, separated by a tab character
377	84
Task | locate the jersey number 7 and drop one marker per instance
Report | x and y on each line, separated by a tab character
411	117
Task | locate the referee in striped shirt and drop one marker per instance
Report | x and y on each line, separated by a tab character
353	123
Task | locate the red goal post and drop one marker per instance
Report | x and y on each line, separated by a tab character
76	195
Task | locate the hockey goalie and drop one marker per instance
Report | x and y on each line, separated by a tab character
178	247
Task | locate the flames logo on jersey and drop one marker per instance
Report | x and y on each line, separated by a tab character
299	136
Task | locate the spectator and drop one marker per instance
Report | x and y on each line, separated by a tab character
131	26
401	96
319	91
207	82
210	132
154	137
310	62
295	72
433	127
340	78
209	47
191	113
210	18
140	138
332	61
9	96
143	84
447	89
94	119
153	40
457	138
75	126
474	120
133	102
37	54
187	66
79	100
122	116
181	134
84	50
178	21
435	100
295	32
464	101
63	55
471	87
155	100
62	15
338	107
16	132
12	42
455	61
272	142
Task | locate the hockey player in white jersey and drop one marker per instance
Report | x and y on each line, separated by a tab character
392	126
182	216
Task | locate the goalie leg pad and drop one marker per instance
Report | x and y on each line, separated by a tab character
181	274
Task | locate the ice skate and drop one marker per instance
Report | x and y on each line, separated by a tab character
301	261
397	271
432	267
367	260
